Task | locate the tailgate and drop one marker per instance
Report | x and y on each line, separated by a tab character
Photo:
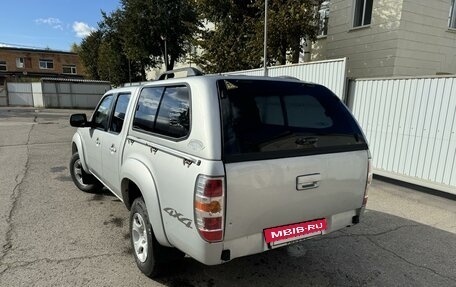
268	193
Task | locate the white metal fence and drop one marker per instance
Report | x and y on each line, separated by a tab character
20	94
330	73
55	93
410	124
72	95
3	98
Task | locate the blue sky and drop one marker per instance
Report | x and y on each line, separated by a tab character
54	24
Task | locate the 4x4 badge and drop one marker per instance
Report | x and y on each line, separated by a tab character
173	213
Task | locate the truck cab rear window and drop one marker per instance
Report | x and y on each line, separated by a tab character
271	119
164	111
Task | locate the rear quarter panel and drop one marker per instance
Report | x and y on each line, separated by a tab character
174	180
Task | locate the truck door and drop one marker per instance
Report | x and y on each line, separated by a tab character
111	151
94	138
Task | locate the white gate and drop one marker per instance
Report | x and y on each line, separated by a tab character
330	73
3	98
410	124
20	94
68	94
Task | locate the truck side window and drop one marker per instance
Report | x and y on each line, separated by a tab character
173	117
146	109
164	111
101	115
119	112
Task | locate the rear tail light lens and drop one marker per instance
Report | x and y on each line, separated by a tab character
368	181
209	207
213	223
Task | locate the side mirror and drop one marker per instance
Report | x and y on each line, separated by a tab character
78	120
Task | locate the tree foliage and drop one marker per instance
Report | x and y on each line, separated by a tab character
75	48
136	37
236	41
132	39
88	53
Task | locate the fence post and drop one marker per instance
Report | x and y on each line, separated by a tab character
7	94
71	94
345	83
57	94
349	98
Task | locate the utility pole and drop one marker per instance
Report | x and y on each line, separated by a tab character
265	44
129	71
166	55
165	52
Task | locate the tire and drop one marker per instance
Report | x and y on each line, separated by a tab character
151	257
84	181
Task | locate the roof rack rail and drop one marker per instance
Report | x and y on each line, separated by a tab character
288	77
170	74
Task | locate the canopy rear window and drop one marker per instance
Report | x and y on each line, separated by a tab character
272	119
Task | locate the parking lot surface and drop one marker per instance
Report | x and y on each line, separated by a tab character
52	234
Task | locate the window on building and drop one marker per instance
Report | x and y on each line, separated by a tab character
452	20
20	62
46	64
69	69
3	66
362	12
23	62
323	19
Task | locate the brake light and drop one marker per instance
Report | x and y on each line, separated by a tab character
209	207
368	181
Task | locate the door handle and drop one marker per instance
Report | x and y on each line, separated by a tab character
112	148
308	185
308	181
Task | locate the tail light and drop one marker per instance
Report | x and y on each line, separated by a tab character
368	181
209	207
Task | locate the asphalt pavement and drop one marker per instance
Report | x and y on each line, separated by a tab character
52	234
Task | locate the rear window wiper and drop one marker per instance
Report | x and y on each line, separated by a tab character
306	141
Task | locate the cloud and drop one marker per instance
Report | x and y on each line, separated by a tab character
53	22
82	29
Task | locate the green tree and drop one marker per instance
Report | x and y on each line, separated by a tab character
75	48
151	29
236	41
112	65
176	24
289	22
133	38
134	25
88	53
227	41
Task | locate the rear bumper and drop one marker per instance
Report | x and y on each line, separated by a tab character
212	253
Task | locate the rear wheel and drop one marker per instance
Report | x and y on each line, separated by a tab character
150	256
84	181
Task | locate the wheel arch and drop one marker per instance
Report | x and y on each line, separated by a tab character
76	146
137	180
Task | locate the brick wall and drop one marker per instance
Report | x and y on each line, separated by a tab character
30	64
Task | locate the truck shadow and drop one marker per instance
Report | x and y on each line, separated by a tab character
382	250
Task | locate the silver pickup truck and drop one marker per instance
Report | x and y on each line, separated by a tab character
219	167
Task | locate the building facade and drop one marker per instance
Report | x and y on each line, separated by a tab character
18	63
389	37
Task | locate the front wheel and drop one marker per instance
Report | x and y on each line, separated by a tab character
84	181
150	256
